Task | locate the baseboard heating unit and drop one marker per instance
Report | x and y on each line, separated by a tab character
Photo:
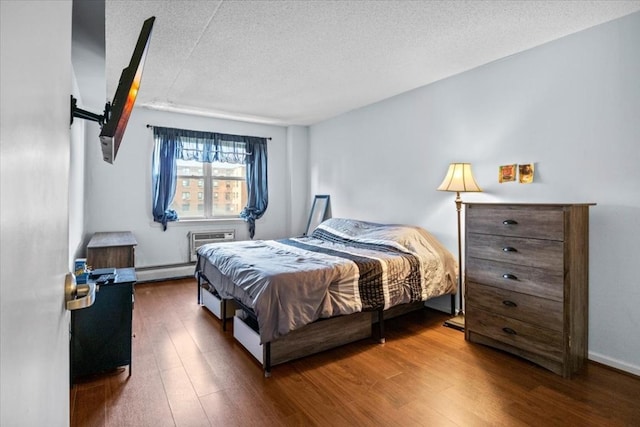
165	272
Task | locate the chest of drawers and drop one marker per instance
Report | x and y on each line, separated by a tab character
527	269
111	249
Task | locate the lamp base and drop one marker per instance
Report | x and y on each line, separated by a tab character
455	322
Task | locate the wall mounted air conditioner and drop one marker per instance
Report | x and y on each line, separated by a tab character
197	239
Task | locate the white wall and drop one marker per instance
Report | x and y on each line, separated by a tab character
572	107
298	179
119	195
89	89
35	142
76	184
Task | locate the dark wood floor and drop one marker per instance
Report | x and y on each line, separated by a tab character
187	372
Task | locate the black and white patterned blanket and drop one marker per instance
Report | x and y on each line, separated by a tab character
372	272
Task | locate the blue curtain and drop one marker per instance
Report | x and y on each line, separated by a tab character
172	144
163	176
212	147
257	186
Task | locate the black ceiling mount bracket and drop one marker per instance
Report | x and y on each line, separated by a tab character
88	115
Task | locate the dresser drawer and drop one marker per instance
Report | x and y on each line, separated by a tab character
542	222
523	335
518	278
543	312
516	250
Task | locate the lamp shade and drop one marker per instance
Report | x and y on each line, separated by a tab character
459	178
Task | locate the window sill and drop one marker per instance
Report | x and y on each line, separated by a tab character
190	222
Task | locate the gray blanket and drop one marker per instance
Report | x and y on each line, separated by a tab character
345	266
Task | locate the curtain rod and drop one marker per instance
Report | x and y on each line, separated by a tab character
268	137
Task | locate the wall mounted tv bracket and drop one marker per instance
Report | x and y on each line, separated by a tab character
88	115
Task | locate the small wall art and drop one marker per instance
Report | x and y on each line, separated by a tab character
525	173
506	173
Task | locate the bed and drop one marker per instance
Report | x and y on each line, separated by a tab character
294	297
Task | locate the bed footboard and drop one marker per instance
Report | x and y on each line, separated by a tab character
324	334
319	336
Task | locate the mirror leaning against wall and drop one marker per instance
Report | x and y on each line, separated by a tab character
319	212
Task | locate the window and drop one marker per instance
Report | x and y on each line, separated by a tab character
216	161
227	179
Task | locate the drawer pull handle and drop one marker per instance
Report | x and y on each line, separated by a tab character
509	331
509	303
510	222
509	276
509	249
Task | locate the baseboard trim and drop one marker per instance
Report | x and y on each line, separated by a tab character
165	272
614	363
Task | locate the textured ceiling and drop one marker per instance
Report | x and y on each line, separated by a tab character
300	62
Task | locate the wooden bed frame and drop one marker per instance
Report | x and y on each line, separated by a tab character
321	335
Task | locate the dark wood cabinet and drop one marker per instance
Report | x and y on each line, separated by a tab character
527	270
111	249
101	334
